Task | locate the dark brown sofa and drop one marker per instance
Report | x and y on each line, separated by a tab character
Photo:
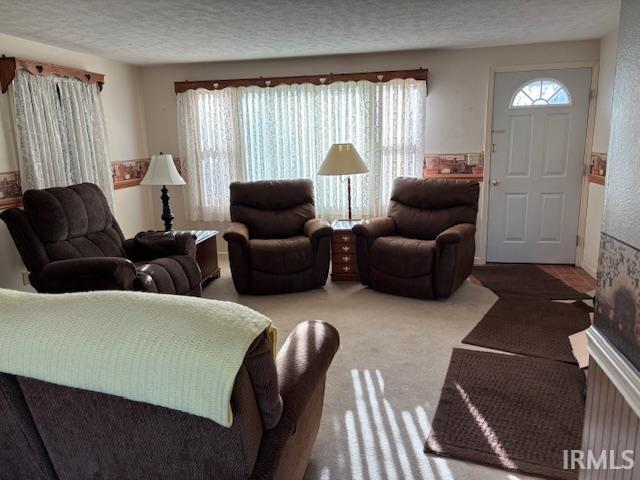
51	431
69	241
276	245
425	247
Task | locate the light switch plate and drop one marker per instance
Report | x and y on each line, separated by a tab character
473	158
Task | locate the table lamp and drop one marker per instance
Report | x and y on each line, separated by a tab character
162	171
343	159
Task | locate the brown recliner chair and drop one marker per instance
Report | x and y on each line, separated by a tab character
70	242
425	247
51	431
276	245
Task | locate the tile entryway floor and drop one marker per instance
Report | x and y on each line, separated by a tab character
573	276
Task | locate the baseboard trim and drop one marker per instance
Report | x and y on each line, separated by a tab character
590	269
624	376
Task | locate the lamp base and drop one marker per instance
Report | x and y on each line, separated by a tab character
167	216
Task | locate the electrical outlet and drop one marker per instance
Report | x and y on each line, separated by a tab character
25	278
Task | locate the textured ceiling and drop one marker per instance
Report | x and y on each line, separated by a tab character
165	31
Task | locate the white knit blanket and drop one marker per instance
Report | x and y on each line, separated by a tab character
177	352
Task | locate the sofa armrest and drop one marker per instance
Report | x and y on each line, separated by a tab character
302	364
237	233
454	261
84	274
456	234
374	228
317	228
152	244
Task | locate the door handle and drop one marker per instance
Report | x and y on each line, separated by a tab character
495	182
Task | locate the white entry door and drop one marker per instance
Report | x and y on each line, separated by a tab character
538	134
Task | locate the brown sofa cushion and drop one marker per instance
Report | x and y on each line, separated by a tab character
96	435
424	208
177	274
22	453
74	222
273	209
403	257
283	255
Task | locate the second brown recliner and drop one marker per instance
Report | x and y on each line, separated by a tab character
425	247
276	245
70	242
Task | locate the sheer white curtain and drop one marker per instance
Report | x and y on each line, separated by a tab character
61	133
285	132
210	151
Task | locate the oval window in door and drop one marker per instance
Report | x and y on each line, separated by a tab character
541	92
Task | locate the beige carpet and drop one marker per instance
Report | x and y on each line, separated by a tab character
384	384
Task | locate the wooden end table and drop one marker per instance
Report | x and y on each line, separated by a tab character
207	254
344	262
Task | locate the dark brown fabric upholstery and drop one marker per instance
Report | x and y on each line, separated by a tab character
282	255
276	245
22	453
70	241
423	208
52	431
273	209
403	257
302	364
426	245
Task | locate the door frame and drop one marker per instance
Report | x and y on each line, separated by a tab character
483	211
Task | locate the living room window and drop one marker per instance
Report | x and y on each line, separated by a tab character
283	132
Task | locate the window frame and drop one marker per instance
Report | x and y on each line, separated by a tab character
538	105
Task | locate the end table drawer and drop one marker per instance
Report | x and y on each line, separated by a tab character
344	237
344	248
345	268
344	261
344	258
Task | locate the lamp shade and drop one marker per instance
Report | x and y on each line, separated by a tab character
162	171
342	159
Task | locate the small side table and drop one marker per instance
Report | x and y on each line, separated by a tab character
344	262
207	254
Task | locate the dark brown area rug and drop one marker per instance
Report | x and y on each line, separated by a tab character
536	328
510	412
516	280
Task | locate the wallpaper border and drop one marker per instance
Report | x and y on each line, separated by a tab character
125	174
617	307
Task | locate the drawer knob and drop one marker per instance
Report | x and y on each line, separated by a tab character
346	269
345	238
346	258
346	248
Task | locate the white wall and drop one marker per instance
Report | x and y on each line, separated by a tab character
608	49
595	205
456	102
595	208
122	101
